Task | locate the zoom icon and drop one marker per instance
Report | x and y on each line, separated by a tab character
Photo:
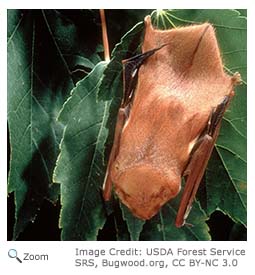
12	253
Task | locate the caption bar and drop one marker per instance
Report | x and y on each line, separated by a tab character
157	257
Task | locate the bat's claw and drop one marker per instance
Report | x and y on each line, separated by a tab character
236	79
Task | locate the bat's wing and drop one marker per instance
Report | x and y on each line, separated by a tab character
130	75
199	159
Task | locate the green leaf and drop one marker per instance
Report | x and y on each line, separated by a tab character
127	47
42	56
34	98
243	12
122	233
223	194
162	228
134	225
80	167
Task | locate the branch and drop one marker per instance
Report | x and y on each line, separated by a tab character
105	36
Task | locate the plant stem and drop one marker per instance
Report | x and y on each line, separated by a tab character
105	36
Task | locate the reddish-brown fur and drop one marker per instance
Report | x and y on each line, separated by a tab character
178	87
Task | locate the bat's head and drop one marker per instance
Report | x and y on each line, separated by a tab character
144	189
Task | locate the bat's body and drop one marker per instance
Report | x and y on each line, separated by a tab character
168	125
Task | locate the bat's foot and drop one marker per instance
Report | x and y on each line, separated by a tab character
217	114
180	224
107	188
236	79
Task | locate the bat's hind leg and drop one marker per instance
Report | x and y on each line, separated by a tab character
199	158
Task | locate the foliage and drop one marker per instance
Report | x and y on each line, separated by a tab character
62	106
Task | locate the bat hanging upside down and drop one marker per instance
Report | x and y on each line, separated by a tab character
175	95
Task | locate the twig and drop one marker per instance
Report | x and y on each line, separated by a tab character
105	36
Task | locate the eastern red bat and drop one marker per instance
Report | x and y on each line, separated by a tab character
175	95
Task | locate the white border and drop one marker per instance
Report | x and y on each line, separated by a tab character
3	123
131	4
61	253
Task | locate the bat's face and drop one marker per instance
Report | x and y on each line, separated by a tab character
144	189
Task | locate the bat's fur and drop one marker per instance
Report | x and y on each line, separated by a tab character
178	88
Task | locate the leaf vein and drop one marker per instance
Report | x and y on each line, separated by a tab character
14	31
230	151
40	106
163	225
234	127
21	101
55	42
230	177
91	168
43	160
85	130
199	22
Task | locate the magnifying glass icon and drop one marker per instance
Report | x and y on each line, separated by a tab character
12	253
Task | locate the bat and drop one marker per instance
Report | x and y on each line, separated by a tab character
174	97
